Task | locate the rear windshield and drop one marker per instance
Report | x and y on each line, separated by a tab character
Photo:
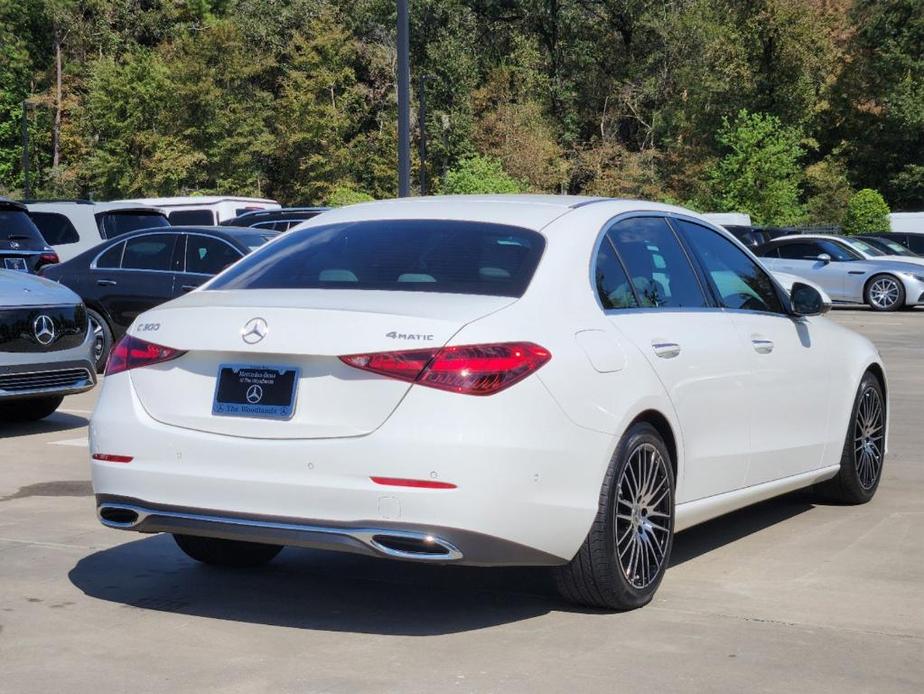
18	231
395	255
112	224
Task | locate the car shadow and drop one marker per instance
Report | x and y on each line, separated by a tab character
326	591
59	421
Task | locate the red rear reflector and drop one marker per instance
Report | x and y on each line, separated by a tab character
110	458
470	369
422	484
132	353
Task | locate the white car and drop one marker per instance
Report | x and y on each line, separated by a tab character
205	210
74	226
848	270
475	380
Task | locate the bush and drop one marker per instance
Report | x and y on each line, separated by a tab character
867	212
479	175
345	195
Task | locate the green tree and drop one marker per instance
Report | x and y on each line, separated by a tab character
345	195
479	175
759	172
828	191
867	212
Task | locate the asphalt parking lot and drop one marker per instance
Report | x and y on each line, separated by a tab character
789	595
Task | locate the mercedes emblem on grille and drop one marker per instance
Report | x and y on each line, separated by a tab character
44	329
254	330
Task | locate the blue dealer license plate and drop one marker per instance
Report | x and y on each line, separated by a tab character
244	390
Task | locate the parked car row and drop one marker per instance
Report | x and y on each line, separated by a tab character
125	276
850	269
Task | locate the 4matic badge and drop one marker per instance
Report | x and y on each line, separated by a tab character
408	336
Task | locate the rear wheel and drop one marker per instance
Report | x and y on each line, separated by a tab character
864	449
233	553
29	410
885	293
622	561
102	339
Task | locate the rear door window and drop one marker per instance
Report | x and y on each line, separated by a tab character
149	252
57	229
207	255
396	255
800	250
194	217
916	243
660	271
111	258
610	279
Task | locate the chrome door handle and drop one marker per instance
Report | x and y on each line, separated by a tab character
762	345
189	287
106	283
666	350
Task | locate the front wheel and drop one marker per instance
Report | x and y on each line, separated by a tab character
233	553
624	557
864	449
885	293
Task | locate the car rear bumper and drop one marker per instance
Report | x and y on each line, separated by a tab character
527	480
377	538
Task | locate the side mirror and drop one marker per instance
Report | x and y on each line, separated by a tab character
808	301
824	257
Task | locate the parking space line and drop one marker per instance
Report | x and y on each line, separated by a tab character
81	442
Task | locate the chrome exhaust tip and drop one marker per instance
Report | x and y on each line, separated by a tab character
119	516
415	546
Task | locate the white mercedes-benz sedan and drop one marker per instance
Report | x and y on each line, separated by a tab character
496	380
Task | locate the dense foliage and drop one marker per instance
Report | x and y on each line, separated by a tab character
867	211
780	108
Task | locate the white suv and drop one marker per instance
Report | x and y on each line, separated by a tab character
206	210
73	226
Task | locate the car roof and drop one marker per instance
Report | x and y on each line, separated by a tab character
281	211
6	203
227	232
523	210
196	200
53	205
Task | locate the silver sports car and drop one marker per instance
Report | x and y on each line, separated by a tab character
884	283
44	346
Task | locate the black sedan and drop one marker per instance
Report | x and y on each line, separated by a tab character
122	277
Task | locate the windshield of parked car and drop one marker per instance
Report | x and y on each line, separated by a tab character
397	255
894	248
863	247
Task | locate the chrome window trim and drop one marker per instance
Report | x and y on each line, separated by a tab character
669	215
124	243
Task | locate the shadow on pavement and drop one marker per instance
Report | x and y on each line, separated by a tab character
59	421
307	589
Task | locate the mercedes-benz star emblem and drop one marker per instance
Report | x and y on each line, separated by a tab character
44	329
254	394
254	330
14	245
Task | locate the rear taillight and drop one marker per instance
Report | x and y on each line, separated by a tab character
469	369
132	353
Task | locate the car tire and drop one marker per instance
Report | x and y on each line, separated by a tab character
624	557
884	293
864	448
102	343
232	553
29	410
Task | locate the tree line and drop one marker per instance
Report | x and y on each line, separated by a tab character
780	108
